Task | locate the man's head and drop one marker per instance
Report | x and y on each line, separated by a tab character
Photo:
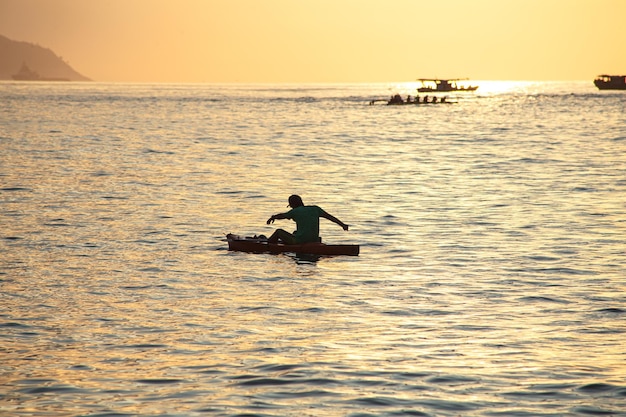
295	201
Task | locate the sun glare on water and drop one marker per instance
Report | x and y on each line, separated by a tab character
488	87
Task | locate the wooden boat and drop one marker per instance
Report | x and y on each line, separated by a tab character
436	85
610	82
261	245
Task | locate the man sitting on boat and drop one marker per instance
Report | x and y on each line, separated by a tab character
307	220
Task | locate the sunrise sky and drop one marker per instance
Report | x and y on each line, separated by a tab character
325	40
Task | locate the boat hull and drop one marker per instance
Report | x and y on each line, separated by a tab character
446	90
253	245
418	103
602	86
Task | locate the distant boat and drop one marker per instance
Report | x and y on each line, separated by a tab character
397	100
436	85
26	74
610	82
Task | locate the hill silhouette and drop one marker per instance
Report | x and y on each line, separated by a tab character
16	56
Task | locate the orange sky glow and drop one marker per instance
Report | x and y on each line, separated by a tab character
325	40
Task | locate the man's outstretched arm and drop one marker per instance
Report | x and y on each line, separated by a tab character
276	217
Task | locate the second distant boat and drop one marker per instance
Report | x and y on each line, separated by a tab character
610	82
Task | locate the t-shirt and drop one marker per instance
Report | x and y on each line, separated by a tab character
307	220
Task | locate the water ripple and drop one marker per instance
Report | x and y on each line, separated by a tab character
490	280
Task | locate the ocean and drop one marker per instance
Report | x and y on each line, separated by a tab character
491	279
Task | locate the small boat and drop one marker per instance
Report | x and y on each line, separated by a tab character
610	82
26	74
261	245
397	100
436	85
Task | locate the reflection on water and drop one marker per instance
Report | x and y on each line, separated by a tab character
490	279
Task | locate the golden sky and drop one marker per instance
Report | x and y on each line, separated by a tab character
325	40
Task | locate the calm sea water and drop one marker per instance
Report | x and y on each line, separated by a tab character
491	280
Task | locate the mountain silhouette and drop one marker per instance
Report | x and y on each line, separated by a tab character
28	61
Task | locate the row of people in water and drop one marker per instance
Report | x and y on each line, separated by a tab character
397	99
